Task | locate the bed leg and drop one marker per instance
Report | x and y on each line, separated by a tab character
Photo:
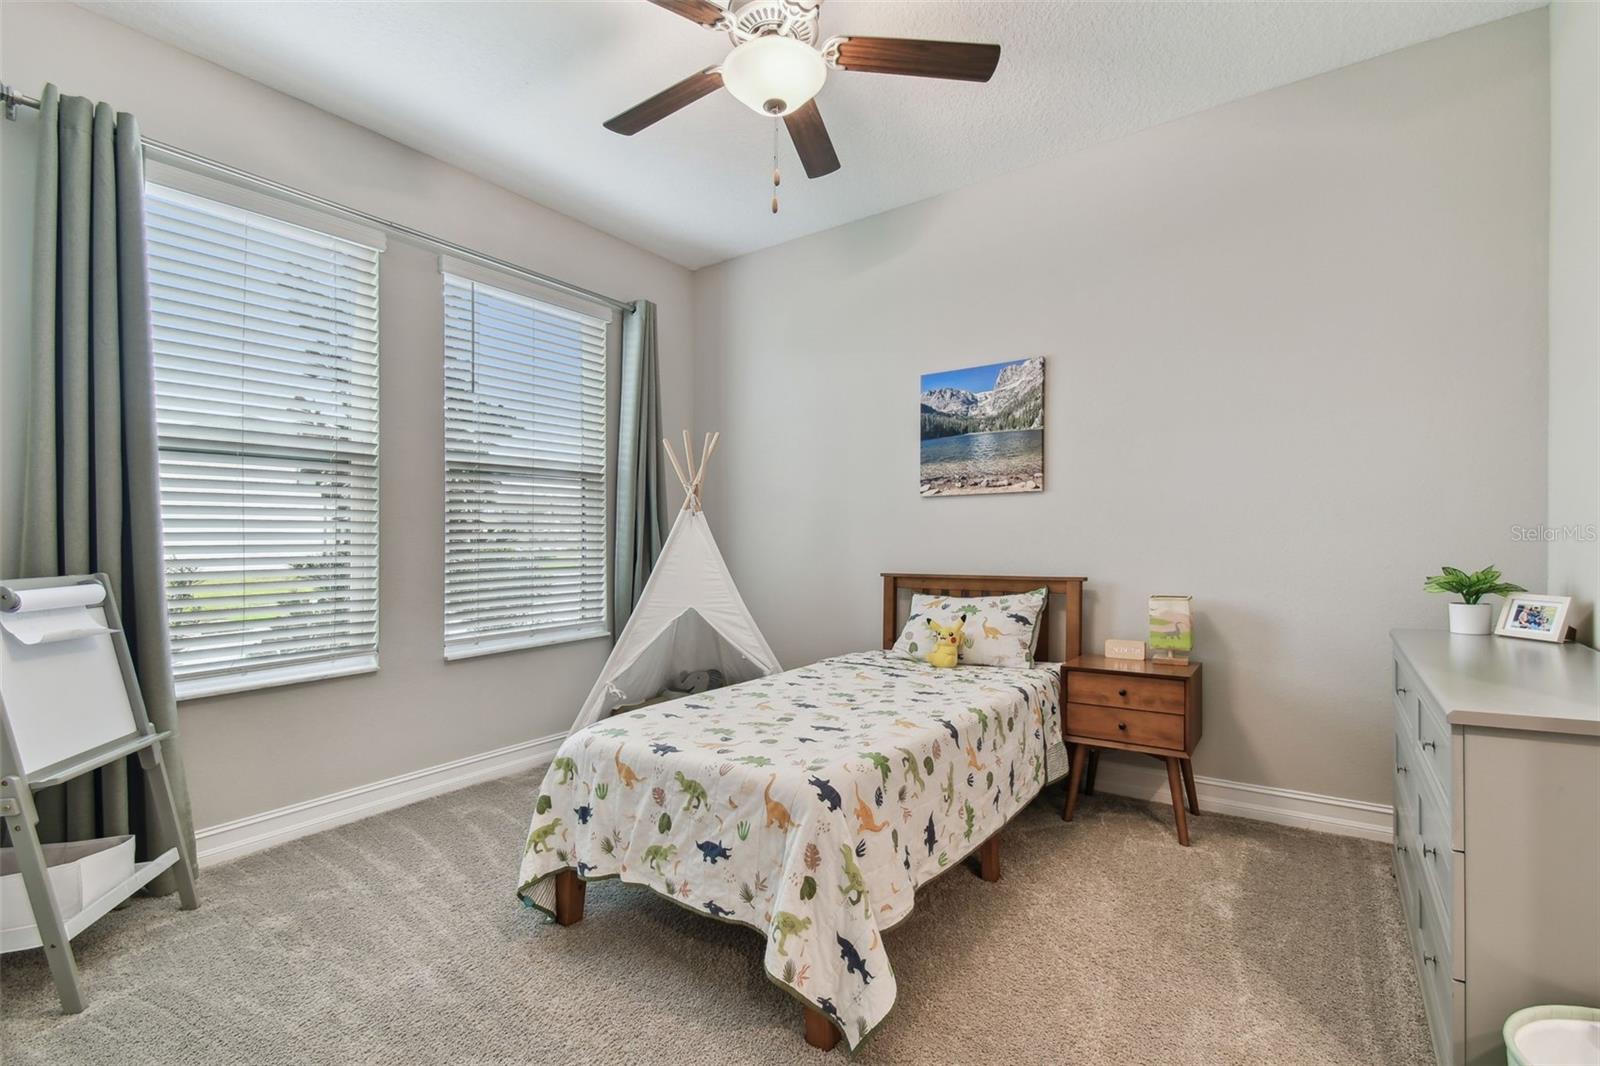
820	1032
569	898
989	859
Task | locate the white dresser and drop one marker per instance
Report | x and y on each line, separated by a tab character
1497	829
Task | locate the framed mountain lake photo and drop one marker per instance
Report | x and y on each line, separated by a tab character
983	429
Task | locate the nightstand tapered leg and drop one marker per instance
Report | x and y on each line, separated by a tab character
1173	782
1089	771
1188	786
1080	755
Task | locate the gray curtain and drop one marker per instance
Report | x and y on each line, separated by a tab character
92	500
636	537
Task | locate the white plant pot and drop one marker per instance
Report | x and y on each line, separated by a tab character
1474	619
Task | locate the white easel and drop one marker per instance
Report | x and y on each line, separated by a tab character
70	704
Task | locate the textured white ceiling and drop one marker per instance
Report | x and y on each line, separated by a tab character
517	92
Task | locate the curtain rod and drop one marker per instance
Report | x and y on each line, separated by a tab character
13	99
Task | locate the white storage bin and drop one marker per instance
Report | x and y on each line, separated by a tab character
80	873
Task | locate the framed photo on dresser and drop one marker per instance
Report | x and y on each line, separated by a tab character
1533	617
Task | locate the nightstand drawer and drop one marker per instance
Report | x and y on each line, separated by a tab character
1146	728
1139	693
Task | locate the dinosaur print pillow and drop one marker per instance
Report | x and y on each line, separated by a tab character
1000	630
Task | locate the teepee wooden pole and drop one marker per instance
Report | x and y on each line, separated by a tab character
700	472
705	457
684	481
688	457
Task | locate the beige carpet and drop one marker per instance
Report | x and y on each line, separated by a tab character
398	940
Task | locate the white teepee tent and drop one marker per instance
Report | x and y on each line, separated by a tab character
689	616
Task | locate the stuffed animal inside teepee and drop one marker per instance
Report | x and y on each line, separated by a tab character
947	644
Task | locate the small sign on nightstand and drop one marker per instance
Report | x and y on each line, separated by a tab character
1124	649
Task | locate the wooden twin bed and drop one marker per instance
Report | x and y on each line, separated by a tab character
812	804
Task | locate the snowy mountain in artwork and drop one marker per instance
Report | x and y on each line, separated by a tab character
1015	402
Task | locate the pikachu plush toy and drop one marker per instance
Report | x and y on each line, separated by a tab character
947	646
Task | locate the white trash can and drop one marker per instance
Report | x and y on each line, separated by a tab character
1553	1036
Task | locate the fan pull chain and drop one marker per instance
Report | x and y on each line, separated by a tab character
776	178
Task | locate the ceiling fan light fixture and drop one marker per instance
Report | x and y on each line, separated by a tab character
773	75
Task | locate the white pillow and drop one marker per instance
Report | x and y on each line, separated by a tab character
1000	630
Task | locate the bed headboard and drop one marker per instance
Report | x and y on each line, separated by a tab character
1066	596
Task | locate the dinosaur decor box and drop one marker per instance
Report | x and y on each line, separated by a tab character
983	429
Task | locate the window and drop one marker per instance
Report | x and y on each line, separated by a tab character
266	364
525	469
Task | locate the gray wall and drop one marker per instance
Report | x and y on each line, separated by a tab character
1262	325
1575	311
1295	360
258	751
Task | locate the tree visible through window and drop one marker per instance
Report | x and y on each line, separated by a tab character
266	357
525	469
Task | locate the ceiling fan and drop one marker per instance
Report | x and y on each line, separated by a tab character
776	68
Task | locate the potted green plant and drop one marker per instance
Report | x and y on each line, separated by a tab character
1470	616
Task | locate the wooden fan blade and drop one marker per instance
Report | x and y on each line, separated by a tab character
666	102
922	59
702	11
811	140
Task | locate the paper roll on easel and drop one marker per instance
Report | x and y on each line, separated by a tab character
88	594
44	616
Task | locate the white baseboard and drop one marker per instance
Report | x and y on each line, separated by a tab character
230	840
1282	806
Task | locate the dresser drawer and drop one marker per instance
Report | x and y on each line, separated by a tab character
1433	738
1405	846
1455	1053
1434	856
1437	751
1407	883
1407	766
1407	756
1440	992
1137	693
1146	728
1405	686
1458	917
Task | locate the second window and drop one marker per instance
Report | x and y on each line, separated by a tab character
525	469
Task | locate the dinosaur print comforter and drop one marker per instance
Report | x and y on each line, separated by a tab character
809	805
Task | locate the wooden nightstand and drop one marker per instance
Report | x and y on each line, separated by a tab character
1133	705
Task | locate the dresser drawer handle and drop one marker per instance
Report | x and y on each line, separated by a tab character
1429	852
1401	691
1122	692
1401	770
1402	847
1430	745
1431	960
1122	726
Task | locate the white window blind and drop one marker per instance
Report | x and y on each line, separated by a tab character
525	470
266	361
